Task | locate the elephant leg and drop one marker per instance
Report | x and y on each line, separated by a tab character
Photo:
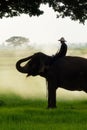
51	96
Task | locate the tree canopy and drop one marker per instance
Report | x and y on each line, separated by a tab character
17	41
75	9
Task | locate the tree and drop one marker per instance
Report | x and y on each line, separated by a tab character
75	9
17	41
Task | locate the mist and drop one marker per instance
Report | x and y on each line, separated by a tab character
12	81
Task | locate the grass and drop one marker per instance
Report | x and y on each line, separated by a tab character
17	113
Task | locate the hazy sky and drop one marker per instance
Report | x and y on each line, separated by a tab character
43	29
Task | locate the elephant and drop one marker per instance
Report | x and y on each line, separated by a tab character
68	72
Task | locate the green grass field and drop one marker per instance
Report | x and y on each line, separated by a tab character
31	114
23	101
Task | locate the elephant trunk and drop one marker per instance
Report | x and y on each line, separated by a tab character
20	68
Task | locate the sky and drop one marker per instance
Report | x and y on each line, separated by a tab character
43	29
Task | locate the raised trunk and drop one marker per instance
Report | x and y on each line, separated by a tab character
20	68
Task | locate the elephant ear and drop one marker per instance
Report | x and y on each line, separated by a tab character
43	67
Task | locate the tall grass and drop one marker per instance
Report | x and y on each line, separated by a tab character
29	114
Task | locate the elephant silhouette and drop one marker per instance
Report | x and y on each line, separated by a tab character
67	72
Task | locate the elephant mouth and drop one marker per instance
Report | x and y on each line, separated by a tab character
28	75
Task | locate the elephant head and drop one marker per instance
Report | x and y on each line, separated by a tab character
36	64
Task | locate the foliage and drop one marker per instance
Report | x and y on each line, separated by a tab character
75	9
